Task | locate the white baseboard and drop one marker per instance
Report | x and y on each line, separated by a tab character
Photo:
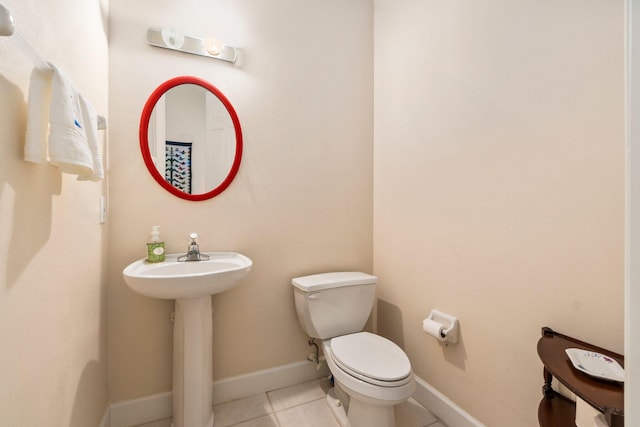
159	406
442	407
269	379
133	412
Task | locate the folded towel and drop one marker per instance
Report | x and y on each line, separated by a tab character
35	148
90	118
62	126
68	147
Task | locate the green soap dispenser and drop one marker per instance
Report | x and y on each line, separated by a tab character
155	246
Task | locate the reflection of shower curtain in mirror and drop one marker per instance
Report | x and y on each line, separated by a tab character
178	165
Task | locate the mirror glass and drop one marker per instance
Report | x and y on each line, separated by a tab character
190	138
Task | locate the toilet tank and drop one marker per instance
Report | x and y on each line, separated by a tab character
333	304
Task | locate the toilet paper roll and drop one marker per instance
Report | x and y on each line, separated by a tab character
433	328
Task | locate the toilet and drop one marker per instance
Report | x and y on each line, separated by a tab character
371	374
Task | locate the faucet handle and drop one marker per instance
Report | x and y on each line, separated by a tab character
193	252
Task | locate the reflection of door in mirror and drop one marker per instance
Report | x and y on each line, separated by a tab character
157	135
221	141
190	114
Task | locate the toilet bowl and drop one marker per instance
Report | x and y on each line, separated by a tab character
374	373
371	373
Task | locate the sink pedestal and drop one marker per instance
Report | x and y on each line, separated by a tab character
192	363
191	284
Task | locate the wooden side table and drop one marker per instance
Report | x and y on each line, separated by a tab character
557	411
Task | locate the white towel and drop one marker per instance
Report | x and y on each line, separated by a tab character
68	146
90	118
35	148
61	126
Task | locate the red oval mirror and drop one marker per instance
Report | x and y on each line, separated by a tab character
190	138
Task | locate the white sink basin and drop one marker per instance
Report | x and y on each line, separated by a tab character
175	280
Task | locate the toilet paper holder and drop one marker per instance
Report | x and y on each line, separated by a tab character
442	326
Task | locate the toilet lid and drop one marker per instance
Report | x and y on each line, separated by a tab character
371	356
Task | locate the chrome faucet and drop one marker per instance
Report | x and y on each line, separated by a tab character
193	252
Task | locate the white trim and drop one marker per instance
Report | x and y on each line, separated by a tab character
157	407
632	209
442	407
269	379
143	410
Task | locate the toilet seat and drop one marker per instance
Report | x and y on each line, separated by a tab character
371	358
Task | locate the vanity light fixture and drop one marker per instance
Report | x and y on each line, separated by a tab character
210	47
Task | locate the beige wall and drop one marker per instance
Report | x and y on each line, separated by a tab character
498	191
52	247
499	187
302	201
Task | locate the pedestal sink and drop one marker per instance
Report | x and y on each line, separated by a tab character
191	284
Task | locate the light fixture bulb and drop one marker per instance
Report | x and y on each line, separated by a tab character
172	38
213	45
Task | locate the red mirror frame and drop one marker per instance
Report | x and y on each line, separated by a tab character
144	137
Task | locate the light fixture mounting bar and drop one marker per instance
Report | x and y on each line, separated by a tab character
187	44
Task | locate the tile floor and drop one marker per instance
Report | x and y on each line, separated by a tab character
301	405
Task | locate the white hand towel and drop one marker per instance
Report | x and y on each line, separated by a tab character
39	98
90	118
68	147
62	126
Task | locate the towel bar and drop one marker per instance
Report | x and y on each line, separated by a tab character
7	28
